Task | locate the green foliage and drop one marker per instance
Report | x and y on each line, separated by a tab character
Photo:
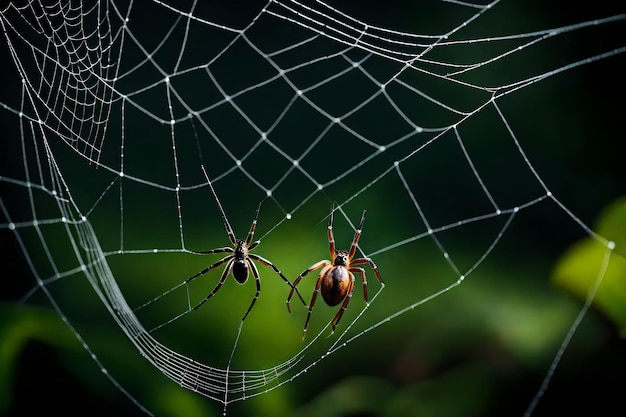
20	325
578	270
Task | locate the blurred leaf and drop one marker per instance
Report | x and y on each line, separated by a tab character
466	390
18	326
172	401
579	269
350	396
612	225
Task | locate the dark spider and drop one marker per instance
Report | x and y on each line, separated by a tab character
336	280
239	262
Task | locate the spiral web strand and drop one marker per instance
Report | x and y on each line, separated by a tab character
103	87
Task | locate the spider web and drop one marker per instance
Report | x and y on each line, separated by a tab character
111	109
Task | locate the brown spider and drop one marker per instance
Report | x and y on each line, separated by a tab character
239	262
336	280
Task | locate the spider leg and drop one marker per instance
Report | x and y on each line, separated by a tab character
371	263
331	238
255	272
229	229
271	265
253	227
215	265
218	250
362	272
302	275
227	269
346	301
316	291
357	236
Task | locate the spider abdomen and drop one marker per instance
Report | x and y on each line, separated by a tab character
335	285
240	271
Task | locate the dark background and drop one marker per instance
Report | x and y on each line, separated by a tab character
445	359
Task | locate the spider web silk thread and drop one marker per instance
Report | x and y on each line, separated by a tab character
90	72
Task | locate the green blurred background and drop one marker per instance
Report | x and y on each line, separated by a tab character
481	349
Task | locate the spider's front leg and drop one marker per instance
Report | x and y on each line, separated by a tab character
225	273
212	266
362	272
271	265
252	229
208	252
302	275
